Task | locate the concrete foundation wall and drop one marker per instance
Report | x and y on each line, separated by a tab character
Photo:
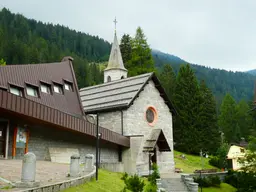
114	167
41	138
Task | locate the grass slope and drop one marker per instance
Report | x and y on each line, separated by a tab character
108	182
191	163
224	187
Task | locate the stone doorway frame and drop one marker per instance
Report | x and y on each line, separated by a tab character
6	136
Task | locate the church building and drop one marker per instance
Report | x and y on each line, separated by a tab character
137	108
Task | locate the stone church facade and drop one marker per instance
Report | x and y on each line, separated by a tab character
135	107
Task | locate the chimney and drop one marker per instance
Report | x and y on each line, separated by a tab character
67	58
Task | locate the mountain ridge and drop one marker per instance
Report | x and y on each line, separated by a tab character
30	41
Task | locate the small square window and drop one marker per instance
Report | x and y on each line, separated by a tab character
16	90
57	88
32	91
68	86
45	88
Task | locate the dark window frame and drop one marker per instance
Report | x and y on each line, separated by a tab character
48	87
36	89
60	86
20	88
69	84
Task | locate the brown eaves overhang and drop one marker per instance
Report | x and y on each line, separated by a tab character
43	113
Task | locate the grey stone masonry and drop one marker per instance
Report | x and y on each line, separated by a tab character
135	123
41	138
28	167
74	165
28	173
89	159
112	121
173	185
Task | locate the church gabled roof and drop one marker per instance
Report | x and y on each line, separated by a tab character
115	59
119	94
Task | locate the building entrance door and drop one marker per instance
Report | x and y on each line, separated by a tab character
3	127
154	157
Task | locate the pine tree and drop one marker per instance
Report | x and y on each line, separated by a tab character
187	103
244	119
227	119
141	61
126	49
209	132
168	80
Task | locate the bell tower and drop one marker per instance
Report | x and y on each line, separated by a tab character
115	69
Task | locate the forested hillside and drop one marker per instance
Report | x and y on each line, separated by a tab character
25	41
28	41
240	85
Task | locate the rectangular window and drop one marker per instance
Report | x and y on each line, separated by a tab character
68	86
45	88
57	88
119	154
16	90
32	90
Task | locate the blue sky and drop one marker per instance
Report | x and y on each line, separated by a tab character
216	33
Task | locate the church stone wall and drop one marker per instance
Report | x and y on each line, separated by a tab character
111	121
41	138
135	124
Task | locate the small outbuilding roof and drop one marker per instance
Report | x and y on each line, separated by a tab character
156	138
119	94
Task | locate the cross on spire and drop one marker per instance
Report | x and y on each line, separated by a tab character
115	21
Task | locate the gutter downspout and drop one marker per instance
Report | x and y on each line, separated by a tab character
97	146
122	122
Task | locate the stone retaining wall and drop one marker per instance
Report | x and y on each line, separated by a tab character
64	184
221	175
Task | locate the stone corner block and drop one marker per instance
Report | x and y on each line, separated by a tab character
27	184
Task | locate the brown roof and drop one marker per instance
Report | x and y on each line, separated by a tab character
13	105
34	74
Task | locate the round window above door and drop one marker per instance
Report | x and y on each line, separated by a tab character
151	115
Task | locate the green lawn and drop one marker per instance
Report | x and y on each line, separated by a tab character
224	187
108	182
191	163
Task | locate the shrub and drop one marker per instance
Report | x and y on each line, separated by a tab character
231	178
155	175
150	188
202	182
133	183
214	181
215	161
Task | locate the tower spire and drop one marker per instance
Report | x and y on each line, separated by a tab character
115	69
